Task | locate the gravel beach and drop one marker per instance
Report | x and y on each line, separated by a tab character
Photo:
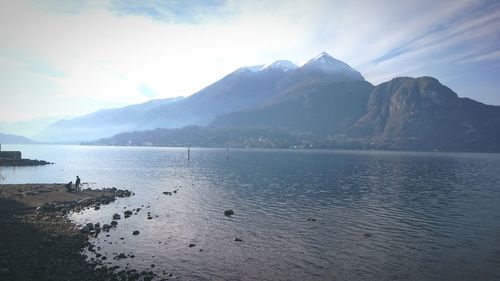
38	242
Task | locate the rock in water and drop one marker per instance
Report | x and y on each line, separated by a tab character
191	245
228	212
135	232
238	239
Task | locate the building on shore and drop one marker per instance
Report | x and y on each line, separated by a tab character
9	154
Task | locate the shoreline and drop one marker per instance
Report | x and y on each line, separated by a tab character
39	242
23	162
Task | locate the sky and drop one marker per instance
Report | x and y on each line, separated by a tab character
73	57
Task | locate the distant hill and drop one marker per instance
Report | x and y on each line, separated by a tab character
13	139
243	89
29	127
102	123
201	136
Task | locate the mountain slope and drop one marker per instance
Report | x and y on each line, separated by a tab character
28	127
106	122
324	109
13	139
421	113
243	89
246	88
402	114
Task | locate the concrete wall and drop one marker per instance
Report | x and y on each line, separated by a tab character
10	155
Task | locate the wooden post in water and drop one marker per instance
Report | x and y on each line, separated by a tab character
189	154
227	151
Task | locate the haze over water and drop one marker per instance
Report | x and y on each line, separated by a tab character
379	215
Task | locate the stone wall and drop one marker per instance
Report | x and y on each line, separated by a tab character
10	155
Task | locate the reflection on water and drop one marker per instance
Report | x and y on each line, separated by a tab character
378	215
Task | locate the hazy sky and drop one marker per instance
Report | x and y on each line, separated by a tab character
74	57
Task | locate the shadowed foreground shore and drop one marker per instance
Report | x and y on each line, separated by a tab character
38	242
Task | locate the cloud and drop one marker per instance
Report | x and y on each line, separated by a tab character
30	62
147	91
64	6
105	50
493	56
171	11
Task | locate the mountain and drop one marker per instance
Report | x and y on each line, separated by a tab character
27	127
102	123
402	114
13	139
421	113
243	89
324	103
336	70
246	88
322	109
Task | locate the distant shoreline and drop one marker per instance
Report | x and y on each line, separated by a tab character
269	148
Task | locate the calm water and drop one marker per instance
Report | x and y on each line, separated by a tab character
379	215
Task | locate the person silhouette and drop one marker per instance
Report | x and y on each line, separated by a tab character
68	186
77	183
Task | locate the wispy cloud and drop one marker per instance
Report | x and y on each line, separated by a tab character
30	62
174	11
104	50
493	56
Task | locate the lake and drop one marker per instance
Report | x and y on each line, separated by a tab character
301	215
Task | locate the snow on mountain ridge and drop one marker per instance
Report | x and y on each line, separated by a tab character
323	62
254	68
328	63
284	65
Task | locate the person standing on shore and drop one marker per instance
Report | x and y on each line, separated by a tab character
77	184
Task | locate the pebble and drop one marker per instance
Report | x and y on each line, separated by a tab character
128	213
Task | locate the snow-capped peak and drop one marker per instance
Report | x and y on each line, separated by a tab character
327	63
253	68
322	56
284	65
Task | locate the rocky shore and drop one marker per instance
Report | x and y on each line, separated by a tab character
38	242
23	162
